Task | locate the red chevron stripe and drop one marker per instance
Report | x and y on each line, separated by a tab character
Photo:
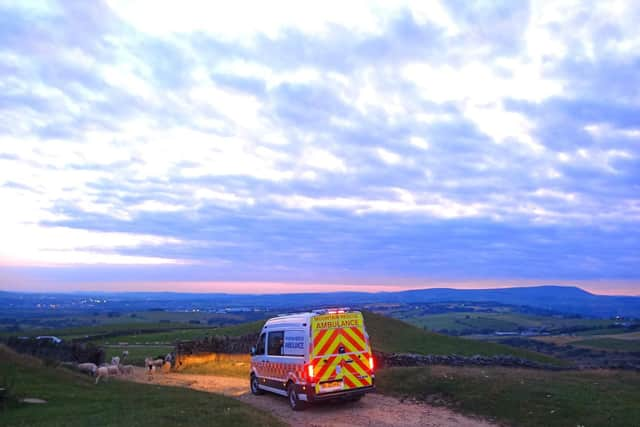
324	368
356	346
348	381
327	344
354	373
363	366
319	336
358	332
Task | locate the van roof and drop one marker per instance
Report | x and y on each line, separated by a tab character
301	319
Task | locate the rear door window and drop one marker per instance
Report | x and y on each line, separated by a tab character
275	343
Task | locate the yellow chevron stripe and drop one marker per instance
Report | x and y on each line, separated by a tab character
349	348
322	342
352	377
358	369
356	338
331	370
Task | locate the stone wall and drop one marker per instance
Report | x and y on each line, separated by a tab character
63	352
402	359
212	349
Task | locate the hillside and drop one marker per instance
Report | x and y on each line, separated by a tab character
73	400
524	397
392	335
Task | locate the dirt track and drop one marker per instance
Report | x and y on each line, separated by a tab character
373	410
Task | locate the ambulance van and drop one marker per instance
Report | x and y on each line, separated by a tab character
307	357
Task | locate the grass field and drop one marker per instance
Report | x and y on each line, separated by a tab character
524	397
73	400
392	335
170	337
475	323
613	344
109	328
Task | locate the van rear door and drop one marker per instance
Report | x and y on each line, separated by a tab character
340	353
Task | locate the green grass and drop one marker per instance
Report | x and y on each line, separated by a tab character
170	337
395	336
524	397
475	322
604	331
73	400
125	328
613	344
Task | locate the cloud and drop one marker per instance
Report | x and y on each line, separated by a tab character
399	140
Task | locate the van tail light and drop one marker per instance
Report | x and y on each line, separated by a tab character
371	363
310	371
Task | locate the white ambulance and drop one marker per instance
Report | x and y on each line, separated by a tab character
323	354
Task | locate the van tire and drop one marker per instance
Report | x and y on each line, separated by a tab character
253	384
295	403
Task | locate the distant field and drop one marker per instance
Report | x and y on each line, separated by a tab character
73	400
83	331
524	397
478	322
170	337
614	344
392	335
629	341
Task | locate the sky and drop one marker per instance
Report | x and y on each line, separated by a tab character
285	145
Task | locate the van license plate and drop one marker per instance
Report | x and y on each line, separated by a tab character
331	385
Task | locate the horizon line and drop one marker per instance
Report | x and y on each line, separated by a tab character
310	289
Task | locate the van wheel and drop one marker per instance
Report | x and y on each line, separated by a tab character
254	386
295	403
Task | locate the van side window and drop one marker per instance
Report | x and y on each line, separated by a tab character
260	346
276	341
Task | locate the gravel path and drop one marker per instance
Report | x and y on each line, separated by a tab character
374	409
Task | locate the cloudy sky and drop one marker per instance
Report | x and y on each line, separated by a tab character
273	145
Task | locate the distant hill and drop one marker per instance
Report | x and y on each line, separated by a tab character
564	299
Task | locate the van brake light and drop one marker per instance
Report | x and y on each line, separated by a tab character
371	363
310	371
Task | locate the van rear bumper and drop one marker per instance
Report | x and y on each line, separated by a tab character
309	394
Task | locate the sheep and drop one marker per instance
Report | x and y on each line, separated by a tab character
149	363
115	360
102	372
89	368
126	369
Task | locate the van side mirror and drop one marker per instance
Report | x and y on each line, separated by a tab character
253	351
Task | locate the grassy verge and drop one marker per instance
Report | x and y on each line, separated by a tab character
396	336
73	400
524	397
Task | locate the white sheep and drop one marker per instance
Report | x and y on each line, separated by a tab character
126	369
89	368
115	360
102	372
